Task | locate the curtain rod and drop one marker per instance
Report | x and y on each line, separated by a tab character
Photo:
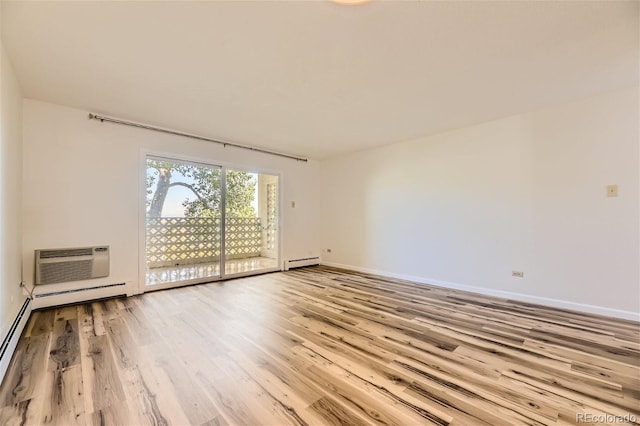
102	118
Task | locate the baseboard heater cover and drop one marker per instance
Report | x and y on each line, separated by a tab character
77	290
299	263
13	328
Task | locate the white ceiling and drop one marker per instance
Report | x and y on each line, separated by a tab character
313	77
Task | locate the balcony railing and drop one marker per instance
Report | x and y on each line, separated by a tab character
175	241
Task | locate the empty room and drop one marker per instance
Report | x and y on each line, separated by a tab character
323	212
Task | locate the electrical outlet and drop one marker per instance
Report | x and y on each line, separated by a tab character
612	190
517	274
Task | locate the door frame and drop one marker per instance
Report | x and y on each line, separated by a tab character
142	217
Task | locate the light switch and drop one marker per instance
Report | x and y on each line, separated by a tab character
612	190
293	204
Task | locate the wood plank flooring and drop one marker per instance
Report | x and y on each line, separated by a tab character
321	346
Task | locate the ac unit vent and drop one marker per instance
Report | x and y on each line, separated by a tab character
73	264
48	254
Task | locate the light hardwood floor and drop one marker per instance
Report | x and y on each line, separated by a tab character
320	346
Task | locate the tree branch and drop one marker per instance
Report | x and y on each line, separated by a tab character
186	185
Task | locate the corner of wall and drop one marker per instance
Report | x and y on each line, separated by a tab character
11	103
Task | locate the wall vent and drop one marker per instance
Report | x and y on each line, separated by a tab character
298	263
71	264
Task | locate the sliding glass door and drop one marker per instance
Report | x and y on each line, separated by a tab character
251	222
183	222
205	222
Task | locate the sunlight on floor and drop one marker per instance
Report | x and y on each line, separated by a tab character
207	270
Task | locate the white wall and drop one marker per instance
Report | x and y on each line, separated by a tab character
11	297
465	208
82	186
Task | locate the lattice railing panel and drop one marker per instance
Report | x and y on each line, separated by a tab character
243	237
272	215
179	241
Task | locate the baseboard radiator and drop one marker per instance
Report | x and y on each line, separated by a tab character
80	290
299	263
13	334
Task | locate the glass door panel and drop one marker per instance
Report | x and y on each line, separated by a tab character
183	222
251	222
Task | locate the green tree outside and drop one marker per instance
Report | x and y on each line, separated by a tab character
204	183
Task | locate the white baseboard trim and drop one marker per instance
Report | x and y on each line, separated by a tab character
10	341
545	301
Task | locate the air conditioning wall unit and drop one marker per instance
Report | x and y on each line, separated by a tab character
71	264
